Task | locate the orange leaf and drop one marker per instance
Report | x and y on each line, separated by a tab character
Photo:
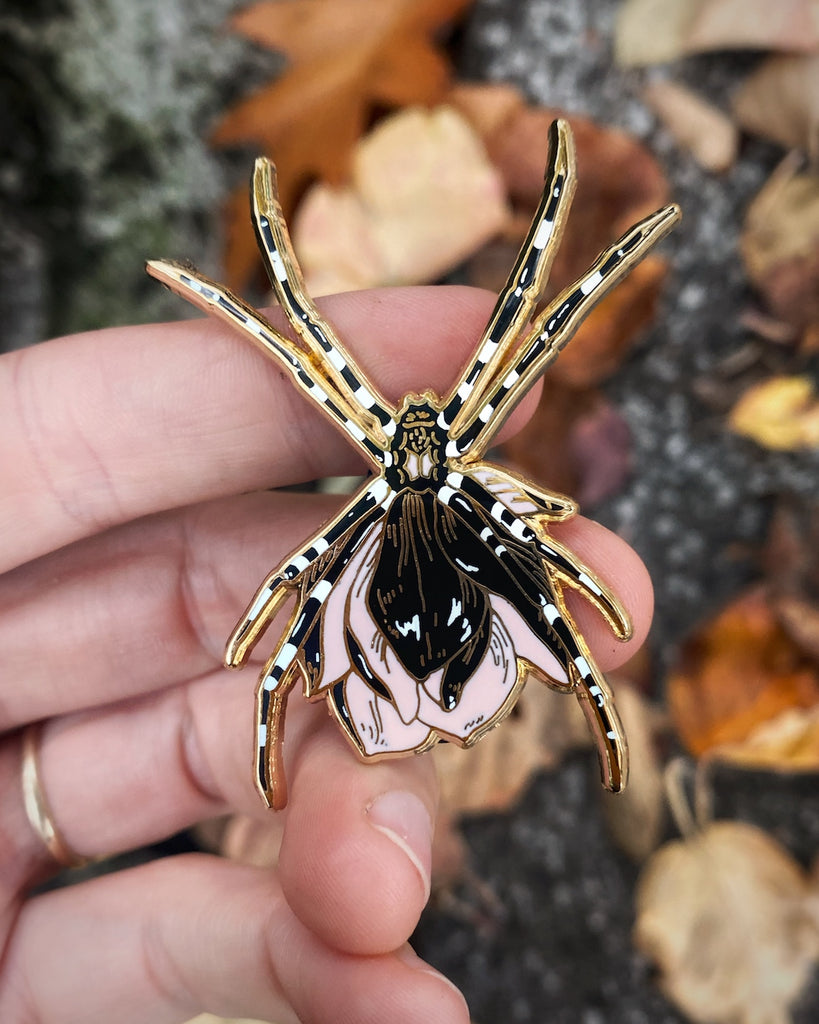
348	57
740	671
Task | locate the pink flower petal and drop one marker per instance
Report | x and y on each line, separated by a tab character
335	662
377	723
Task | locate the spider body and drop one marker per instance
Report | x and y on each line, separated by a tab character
421	609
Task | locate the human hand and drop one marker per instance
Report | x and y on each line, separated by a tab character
129	543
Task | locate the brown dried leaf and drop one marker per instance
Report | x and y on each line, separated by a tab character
618	180
423	197
781	413
780	245
489	777
787	743
704	130
576	442
656	31
347	57
739	671
780	101
725	915
792	571
636	816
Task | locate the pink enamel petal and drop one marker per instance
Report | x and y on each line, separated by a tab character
335	662
527	645
493	681
377	724
485	693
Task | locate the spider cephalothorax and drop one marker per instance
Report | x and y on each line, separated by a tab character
421	609
418	446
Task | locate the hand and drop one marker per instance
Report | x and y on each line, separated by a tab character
129	544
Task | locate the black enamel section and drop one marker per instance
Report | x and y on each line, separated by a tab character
420	598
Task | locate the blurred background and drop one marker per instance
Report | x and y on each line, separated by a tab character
410	138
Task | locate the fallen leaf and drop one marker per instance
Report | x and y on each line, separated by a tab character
780	101
618	180
787	743
348	57
657	31
635	817
490	776
738	671
541	450
781	413
791	561
725	916
599	445
423	197
704	130
780	246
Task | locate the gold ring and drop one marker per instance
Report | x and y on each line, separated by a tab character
37	807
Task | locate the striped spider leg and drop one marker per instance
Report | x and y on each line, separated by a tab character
421	609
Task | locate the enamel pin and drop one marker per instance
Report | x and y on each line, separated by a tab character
423	606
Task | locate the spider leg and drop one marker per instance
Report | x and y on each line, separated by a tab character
545	612
369	409
522	496
286	577
525	283
597	703
560	560
554	328
218	301
276	678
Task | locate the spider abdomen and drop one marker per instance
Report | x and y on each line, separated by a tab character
429	610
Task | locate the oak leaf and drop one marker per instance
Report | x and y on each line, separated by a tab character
423	197
726	916
347	58
740	670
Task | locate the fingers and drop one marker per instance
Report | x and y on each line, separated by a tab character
618	565
175	937
357	847
101	428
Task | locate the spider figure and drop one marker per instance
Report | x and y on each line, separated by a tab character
424	605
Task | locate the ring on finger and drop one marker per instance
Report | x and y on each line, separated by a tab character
38	809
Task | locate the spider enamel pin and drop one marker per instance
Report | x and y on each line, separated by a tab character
423	606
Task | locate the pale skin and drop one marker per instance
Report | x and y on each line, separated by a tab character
132	530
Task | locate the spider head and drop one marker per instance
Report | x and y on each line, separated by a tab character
418	446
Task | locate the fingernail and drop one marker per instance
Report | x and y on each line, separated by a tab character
403	818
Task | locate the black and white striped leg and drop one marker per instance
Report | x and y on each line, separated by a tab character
220	302
555	327
551	622
277	676
374	413
522	496
525	283
274	590
558	558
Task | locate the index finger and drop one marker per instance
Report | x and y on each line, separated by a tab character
105	427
